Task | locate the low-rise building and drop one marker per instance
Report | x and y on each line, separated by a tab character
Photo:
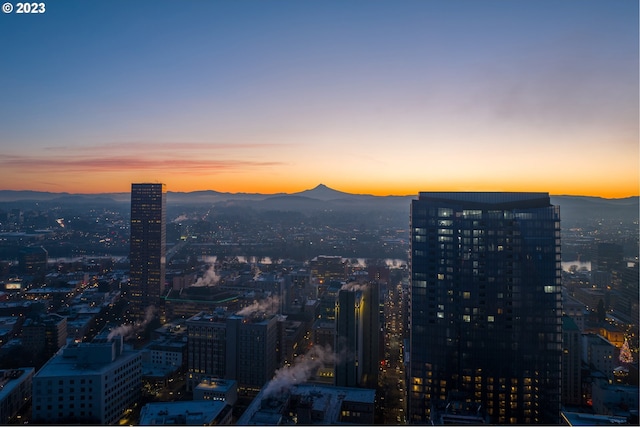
186	413
90	382
614	399
311	404
15	391
217	389
599	354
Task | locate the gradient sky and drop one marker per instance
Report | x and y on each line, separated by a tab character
378	96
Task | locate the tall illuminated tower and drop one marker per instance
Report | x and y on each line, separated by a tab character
147	249
486	307
357	336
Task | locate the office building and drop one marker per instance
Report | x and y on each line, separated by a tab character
600	354
188	413
32	261
311	404
206	347
15	392
87	383
349	325
217	389
615	399
571	362
147	247
626	283
44	334
608	257
357	325
328	267
233	347
486	306
252	358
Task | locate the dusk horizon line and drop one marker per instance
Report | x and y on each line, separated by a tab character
319	186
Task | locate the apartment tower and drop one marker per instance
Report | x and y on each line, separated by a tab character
486	306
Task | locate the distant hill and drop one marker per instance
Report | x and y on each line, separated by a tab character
320	198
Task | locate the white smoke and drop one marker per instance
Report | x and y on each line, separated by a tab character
267	306
354	286
359	262
301	369
210	277
131	329
181	218
395	263
256	273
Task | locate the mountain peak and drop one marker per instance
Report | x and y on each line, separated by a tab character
321	187
322	192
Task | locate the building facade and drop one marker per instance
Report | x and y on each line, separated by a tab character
147	247
252	358
232	347
571	362
44	334
206	347
33	261
356	340
87	383
486	305
15	391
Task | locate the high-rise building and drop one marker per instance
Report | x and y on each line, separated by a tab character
349	326
206	347
571	363
356	341
251	350
147	249
486	306
608	257
233	347
626	283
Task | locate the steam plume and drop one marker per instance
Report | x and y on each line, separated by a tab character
210	278
130	330
180	218
354	286
268	306
301	370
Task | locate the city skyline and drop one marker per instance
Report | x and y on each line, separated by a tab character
279	96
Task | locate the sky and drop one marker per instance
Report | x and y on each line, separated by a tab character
384	97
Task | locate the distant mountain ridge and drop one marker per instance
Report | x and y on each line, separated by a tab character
320	192
320	197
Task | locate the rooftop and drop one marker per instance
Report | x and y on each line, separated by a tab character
11	378
202	412
325	400
581	419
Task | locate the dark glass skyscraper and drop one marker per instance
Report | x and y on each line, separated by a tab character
147	249
486	307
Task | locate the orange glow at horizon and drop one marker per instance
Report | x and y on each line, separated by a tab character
287	168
